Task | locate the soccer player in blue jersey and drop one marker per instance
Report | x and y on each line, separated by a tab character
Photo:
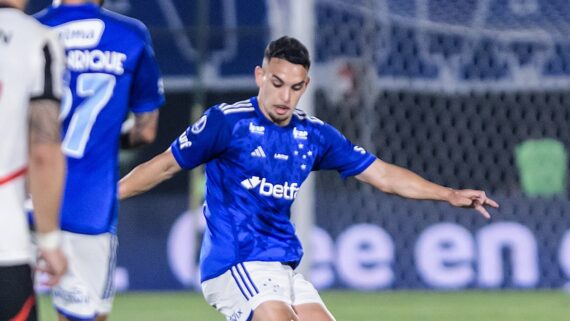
112	71
257	153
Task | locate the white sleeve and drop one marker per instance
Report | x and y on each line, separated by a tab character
48	78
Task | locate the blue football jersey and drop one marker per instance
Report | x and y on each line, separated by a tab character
112	70
254	169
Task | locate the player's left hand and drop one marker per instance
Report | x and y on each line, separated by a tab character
53	263
475	199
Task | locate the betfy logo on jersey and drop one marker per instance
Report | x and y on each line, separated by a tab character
300	134
254	129
287	191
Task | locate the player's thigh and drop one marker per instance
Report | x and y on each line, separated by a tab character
17	296
308	303
244	287
313	312
274	311
87	289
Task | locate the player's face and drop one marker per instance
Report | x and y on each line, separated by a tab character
281	85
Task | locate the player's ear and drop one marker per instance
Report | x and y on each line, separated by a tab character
258	76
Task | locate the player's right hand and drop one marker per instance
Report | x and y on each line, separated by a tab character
475	199
53	263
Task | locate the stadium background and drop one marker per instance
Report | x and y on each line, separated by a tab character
465	93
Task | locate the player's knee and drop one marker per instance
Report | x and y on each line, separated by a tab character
101	317
313	312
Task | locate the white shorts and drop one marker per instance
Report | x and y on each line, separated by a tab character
241	289
87	289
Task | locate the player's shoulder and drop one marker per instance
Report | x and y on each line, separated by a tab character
118	23
47	14
126	23
311	125
22	20
304	118
34	30
235	111
43	14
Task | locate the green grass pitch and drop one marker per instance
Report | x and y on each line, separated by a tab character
359	306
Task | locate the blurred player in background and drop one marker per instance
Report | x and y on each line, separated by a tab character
31	66
113	71
257	154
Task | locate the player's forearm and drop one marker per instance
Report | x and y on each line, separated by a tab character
137	182
46	171
143	131
410	185
393	179
46	167
147	175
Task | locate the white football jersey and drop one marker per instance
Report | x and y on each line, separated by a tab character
31	67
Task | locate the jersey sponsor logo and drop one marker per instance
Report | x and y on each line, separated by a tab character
199	126
183	141
359	149
254	129
300	134
280	156
258	152
286	191
5	36
81	34
96	60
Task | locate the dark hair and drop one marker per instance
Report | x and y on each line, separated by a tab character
289	49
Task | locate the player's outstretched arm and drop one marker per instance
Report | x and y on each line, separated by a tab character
393	179
46	174
147	175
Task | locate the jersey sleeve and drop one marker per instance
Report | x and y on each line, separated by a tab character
202	141
339	154
47	83
148	91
